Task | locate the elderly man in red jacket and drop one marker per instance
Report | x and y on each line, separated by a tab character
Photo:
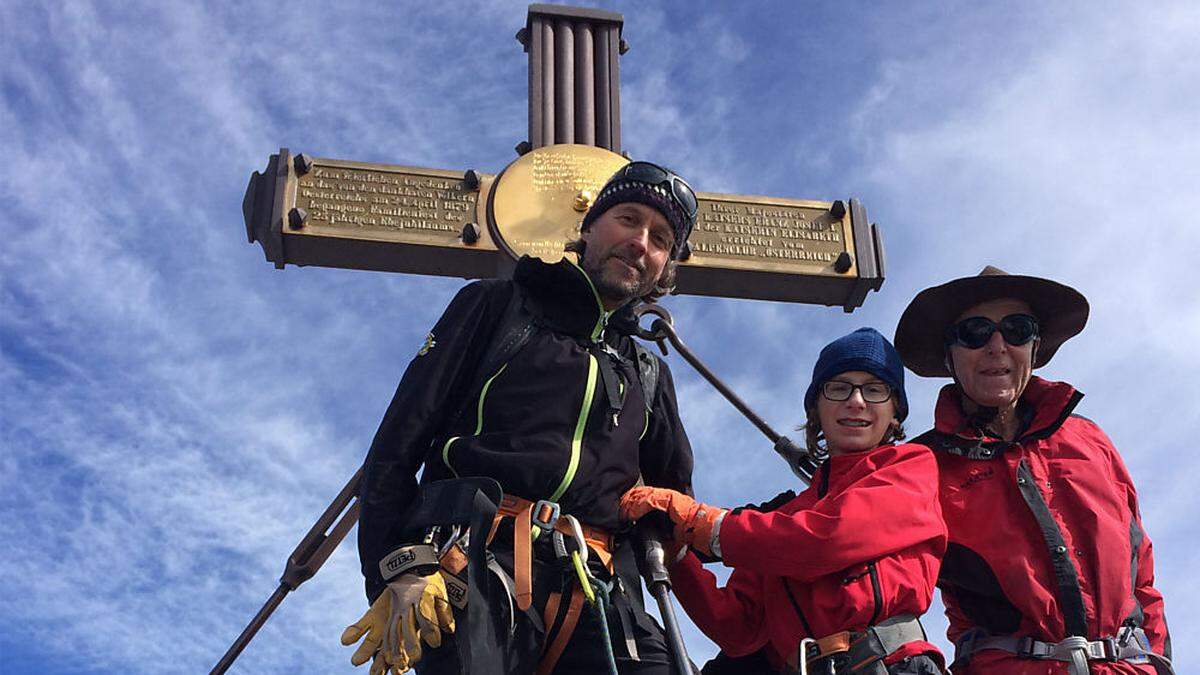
1048	569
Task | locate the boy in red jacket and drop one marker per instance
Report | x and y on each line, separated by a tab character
838	574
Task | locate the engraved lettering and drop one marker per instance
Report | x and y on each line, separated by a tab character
729	230
385	201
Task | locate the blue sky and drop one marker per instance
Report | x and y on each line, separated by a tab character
175	413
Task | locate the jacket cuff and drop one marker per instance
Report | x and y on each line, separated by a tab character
715	544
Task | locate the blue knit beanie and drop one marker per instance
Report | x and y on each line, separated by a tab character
866	350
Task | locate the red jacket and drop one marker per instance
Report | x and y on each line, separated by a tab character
999	571
860	545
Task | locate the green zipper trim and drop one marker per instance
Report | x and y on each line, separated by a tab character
482	396
645	424
577	439
478	420
446	454
604	314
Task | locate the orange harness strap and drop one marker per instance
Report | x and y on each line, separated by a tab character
834	644
523	556
598	541
521	511
552	652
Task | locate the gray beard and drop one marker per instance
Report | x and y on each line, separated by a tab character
609	287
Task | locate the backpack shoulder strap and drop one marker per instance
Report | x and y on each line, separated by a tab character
510	333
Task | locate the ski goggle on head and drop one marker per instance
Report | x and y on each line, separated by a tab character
975	331
653	174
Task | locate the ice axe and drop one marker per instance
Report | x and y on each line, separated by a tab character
801	462
303	563
652	561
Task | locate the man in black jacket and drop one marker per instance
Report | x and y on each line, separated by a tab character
566	424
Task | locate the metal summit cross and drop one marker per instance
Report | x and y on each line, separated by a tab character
334	213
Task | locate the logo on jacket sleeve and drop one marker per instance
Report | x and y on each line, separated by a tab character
430	343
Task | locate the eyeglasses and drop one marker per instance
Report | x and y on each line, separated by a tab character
653	174
974	332
872	392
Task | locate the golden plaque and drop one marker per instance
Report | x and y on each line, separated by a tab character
537	203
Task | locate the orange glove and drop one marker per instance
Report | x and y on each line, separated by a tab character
694	522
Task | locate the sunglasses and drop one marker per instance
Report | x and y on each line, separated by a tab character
974	332
653	174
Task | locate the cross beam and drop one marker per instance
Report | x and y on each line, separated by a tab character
335	213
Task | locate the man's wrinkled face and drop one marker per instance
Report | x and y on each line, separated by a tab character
627	248
994	375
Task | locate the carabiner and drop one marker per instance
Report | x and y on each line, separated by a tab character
804	654
577	532
455	534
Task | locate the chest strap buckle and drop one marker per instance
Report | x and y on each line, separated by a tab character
545	515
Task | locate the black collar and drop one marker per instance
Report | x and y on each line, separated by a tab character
564	298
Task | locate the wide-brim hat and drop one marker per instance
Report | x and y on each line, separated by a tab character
1061	312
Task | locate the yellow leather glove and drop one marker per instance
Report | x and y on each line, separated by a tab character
410	610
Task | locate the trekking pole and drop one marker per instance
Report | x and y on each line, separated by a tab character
654	569
312	552
663	328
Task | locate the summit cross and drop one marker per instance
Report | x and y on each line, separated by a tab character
307	210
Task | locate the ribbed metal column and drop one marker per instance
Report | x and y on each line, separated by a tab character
585	86
564	82
574	76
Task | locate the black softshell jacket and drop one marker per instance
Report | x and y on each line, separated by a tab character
543	424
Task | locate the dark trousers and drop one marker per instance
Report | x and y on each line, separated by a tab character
519	639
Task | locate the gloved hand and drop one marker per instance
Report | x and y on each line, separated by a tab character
694	522
410	610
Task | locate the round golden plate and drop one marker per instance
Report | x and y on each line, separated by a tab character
536	204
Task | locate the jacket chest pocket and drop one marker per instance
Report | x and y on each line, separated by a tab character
862	582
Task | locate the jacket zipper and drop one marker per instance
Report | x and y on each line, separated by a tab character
876	591
602	321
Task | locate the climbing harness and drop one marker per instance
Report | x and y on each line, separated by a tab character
856	653
1131	645
531	521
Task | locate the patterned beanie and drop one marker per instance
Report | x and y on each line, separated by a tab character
655	196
